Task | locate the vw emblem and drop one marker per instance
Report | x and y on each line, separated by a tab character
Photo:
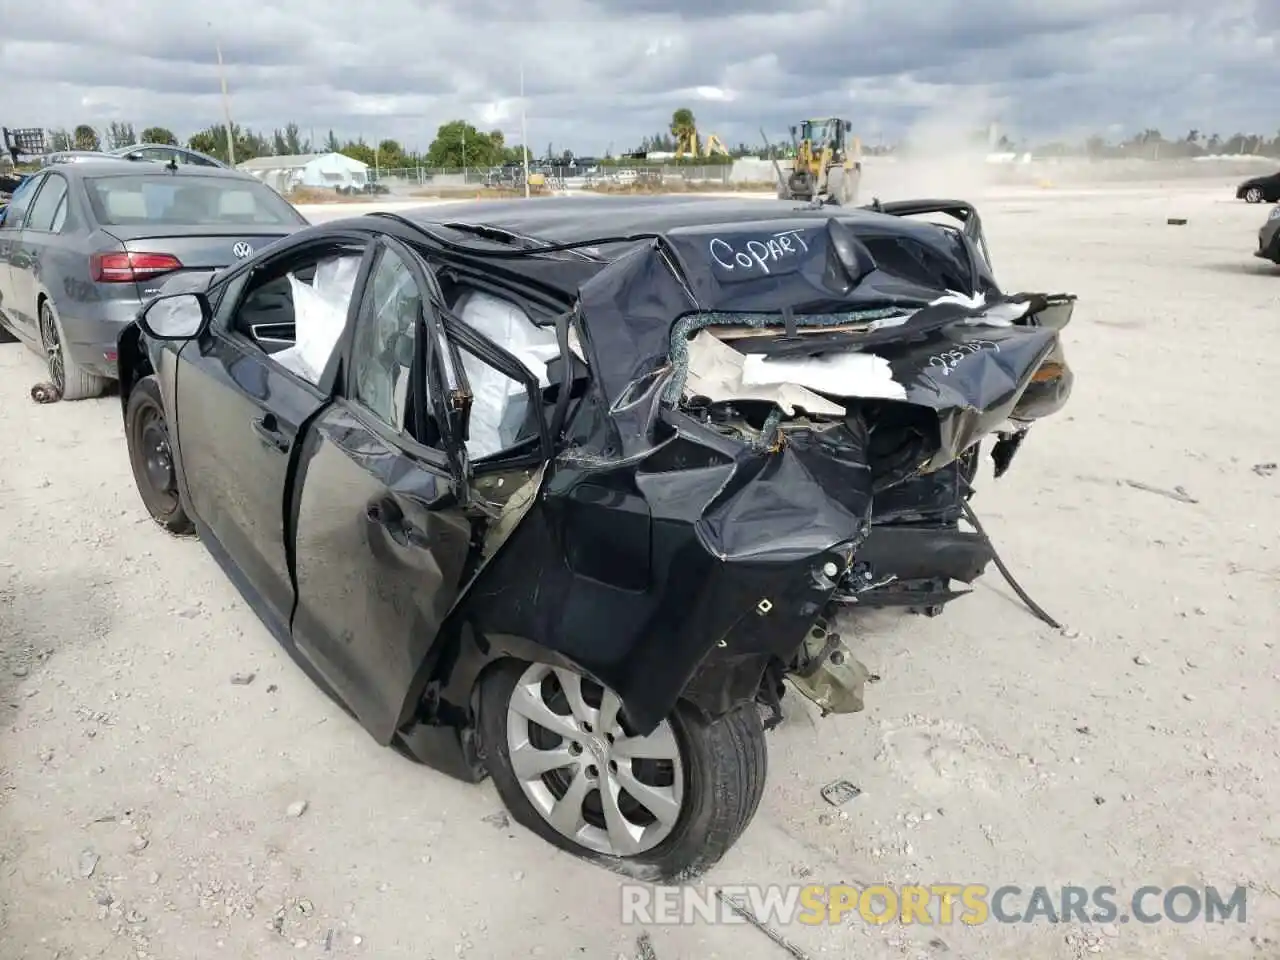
242	250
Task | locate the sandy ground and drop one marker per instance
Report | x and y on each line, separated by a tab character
144	796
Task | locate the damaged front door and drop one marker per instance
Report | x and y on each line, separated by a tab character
382	540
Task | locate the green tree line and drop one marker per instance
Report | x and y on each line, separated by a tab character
459	143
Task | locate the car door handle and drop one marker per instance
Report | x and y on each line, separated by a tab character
268	430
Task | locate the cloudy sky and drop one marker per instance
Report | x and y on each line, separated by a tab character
603	73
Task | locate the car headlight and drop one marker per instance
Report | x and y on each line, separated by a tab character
1274	214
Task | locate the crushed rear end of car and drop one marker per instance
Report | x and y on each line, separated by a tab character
780	418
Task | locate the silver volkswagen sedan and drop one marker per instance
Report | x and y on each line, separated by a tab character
84	245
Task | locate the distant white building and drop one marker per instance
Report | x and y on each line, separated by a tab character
317	170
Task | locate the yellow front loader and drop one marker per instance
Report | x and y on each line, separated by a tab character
828	163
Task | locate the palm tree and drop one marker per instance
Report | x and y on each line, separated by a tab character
685	130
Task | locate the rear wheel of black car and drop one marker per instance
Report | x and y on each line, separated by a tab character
151	456
72	381
1253	195
661	807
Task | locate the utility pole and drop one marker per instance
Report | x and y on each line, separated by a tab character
524	134
226	106
464	153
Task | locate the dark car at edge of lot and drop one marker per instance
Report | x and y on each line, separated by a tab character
1269	237
561	492
83	245
1263	189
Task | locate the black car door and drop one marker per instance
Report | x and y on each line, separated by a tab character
242	402
382	536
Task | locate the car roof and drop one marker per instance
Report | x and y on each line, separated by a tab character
570	219
130	148
78	155
109	166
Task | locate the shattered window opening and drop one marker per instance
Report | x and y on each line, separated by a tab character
502	417
385	340
683	330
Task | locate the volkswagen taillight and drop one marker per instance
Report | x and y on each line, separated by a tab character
131	267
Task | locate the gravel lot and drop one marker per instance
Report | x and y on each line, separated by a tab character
145	797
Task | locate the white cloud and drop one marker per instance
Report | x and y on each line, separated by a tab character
607	71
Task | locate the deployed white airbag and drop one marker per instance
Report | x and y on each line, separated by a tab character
840	374
319	315
500	405
716	372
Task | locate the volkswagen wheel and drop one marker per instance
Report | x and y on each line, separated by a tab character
663	806
72	381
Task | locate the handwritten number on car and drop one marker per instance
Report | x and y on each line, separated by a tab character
947	360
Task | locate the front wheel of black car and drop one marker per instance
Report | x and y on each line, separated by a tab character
1253	195
151	456
661	807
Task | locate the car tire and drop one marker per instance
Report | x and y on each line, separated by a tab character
706	787
146	431
1253	195
72	381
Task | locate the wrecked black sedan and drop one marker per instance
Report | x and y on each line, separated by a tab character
565	491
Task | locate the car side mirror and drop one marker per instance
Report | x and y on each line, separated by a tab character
175	316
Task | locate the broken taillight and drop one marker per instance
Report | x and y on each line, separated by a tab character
131	267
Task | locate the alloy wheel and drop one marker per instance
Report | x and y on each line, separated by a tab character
590	778
1253	195
52	344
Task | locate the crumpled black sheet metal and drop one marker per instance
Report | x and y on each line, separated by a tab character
811	496
934	496
971	376
970	371
677	553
